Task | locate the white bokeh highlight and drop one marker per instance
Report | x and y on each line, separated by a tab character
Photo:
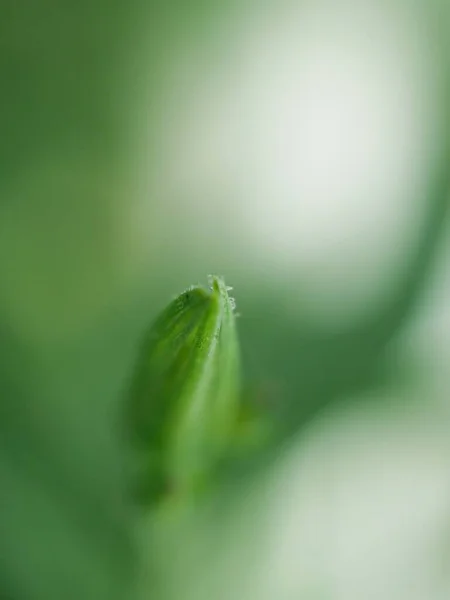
298	141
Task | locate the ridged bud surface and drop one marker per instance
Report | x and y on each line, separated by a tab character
183	402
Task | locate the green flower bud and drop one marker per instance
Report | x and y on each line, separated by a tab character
184	398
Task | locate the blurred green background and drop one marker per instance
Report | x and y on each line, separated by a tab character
299	149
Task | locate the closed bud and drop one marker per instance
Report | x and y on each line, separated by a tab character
183	401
